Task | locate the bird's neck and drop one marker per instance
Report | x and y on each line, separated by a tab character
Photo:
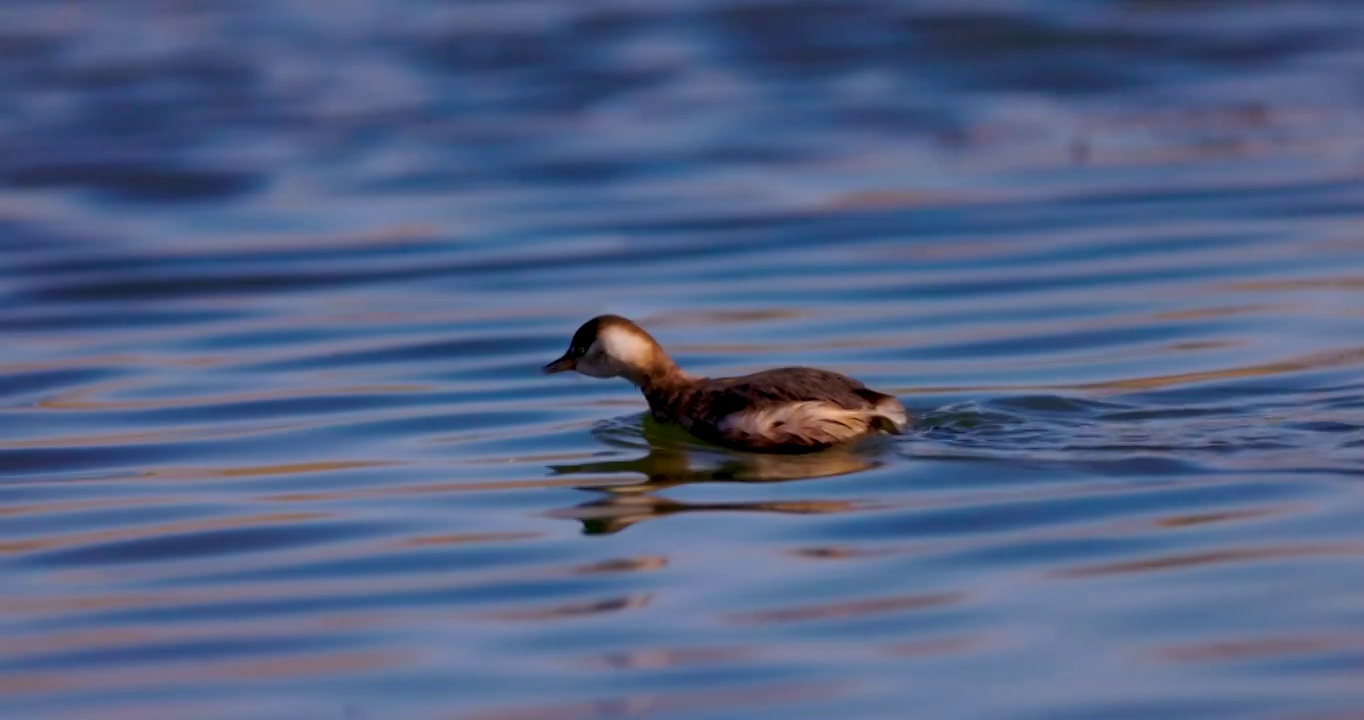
661	376
665	386
654	370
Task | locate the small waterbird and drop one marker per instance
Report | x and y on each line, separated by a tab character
790	410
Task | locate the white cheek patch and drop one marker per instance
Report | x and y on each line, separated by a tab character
625	347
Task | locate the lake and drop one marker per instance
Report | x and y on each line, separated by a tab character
278	279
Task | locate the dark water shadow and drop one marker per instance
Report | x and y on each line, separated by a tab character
671	458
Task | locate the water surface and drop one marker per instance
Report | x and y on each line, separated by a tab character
277	279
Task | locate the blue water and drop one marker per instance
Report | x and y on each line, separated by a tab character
276	280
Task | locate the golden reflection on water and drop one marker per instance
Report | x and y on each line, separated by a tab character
294	666
466	538
860	607
642	563
719	317
671	459
614	512
1324	360
1222	516
573	609
95	537
66	506
838	552
1261	648
1345	357
168	435
665	658
1181	561
133	635
439	488
272	470
83	400
1347	283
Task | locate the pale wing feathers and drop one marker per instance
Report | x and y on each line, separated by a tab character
890	409
810	423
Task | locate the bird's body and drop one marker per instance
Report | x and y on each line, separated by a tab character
792	409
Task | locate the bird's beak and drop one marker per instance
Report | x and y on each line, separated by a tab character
563	364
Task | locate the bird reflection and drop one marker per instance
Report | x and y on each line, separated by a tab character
672	458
